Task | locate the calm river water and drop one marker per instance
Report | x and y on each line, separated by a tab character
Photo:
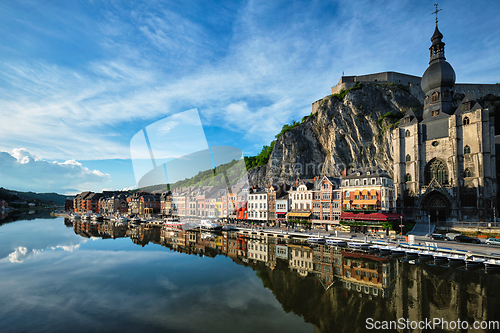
56	276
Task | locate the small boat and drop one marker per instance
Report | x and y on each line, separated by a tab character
492	265
356	245
336	242
424	256
176	225
398	252
229	228
74	216
385	250
85	216
440	258
96	217
473	263
316	240
208	225
412	254
456	260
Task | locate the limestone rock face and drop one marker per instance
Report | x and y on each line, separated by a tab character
353	132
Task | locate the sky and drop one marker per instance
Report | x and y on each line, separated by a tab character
79	79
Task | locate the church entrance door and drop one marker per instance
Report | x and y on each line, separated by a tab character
437	207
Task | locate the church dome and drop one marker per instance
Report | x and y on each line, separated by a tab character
438	74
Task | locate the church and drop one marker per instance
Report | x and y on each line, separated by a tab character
444	158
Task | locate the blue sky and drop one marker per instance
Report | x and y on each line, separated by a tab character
78	79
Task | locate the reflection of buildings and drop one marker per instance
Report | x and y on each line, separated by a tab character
258	247
301	259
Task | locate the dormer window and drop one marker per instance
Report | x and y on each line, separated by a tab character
467	106
426	100
435	113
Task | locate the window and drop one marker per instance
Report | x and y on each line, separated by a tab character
435	143
435	113
466	150
408	158
408	177
373	181
356	182
467	106
467	173
435	97
426	100
407	133
466	121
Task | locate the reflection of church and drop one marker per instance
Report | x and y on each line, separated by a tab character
444	163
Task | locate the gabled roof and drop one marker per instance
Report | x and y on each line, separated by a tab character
468	98
409	118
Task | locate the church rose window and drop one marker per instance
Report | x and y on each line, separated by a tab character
466	150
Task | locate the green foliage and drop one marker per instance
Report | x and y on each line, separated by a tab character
45	198
340	96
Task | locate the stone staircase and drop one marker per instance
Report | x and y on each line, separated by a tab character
422	229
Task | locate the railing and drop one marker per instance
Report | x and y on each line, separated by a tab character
472	224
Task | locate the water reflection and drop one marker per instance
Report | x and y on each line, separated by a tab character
334	288
93	277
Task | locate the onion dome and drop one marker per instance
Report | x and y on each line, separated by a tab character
439	73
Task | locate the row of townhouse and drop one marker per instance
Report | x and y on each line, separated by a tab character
362	195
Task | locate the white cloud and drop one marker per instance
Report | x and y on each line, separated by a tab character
21	171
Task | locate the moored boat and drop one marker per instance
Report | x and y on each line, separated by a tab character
336	242
456	260
474	263
424	256
316	240
209	225
412	254
356	245
492	265
440	258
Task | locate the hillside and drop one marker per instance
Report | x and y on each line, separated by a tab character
44	198
349	130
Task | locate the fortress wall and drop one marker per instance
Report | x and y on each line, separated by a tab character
478	90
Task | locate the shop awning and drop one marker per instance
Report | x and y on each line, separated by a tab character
293	214
364	202
381	217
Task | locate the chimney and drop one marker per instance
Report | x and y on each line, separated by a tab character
297	183
344	173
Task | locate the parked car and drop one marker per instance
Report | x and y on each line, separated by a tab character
467	239
493	241
439	237
452	235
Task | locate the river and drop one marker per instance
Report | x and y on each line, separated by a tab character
58	276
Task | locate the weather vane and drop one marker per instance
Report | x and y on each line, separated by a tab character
436	12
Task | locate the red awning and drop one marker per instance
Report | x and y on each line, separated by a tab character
370	216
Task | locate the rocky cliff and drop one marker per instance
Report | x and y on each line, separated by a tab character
350	131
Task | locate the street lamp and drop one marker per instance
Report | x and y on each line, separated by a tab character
429	225
401	225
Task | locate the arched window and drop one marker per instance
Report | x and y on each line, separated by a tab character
426	100
408	158
466	121
466	150
435	97
436	170
467	173
408	177
407	133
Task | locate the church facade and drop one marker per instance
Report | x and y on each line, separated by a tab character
444	158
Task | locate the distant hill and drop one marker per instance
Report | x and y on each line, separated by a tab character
211	177
46	198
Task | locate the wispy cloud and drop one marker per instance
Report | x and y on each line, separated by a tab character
248	67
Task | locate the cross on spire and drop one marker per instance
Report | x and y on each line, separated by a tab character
436	12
